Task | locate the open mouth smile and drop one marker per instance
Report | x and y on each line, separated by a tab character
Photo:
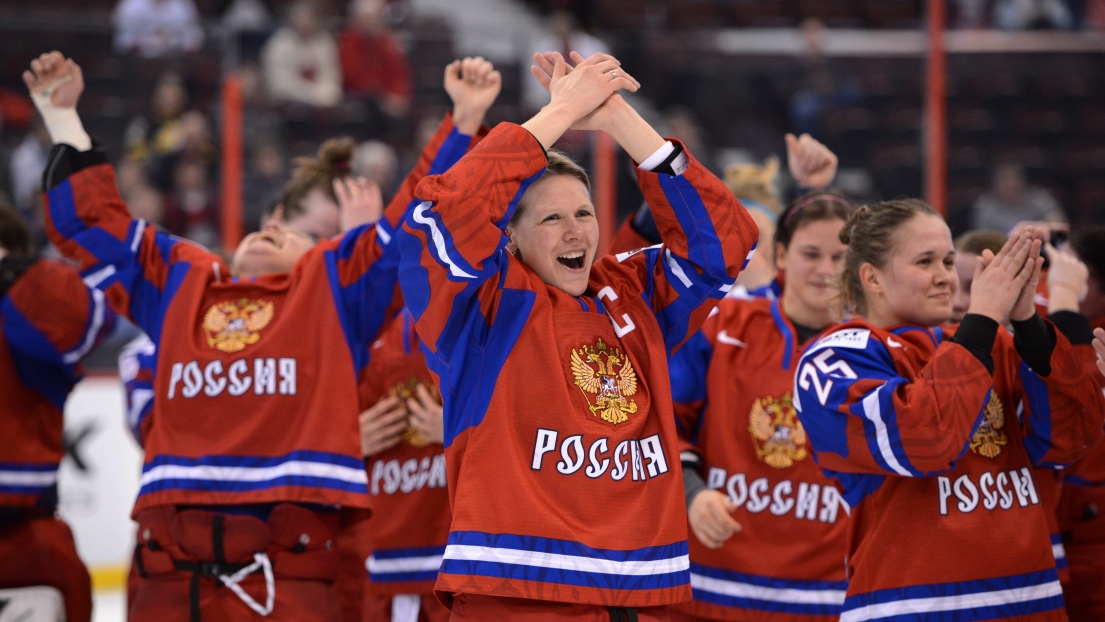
572	260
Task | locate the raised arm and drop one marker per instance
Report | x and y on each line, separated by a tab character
453	242
863	416
87	220
707	235
364	262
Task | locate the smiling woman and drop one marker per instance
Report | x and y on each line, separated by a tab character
554	229
553	364
933	437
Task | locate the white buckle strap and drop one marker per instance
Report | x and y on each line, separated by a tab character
405	607
260	562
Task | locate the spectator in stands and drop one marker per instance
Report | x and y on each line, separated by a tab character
374	64
250	22
1011	200
153	28
159	132
1094	15
192	209
261	183
261	123
194	144
300	61
969	14
1032	15
821	86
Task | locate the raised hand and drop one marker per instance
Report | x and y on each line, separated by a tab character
1025	306
1067	280
811	164
1001	281
472	84
54	79
711	519
575	92
382	426
427	415
545	64
360	200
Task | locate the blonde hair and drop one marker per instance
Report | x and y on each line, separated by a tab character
559	164
755	182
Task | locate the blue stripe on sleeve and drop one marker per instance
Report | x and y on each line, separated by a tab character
702	240
688	368
784	328
1038	441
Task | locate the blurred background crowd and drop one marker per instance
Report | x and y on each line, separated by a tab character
1025	104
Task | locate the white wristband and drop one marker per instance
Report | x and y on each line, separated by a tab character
63	124
678	165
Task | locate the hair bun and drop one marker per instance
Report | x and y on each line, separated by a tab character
848	231
337	154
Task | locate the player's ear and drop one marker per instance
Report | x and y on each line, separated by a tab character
511	245
780	257
871	278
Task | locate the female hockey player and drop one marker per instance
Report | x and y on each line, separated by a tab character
49	320
768	528
559	435
255	435
933	438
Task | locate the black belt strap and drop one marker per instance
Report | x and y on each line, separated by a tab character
622	614
210	570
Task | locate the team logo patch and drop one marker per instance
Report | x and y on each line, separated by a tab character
409	390
990	437
607	380
231	326
777	435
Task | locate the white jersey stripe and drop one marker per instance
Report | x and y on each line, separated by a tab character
575	563
403	564
736	589
98	313
28	478
438	238
255	474
938	604
873	412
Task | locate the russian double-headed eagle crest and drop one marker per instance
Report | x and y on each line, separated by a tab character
777	435
990	437
409	390
231	326
607	380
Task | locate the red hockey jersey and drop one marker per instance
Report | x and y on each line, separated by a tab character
560	439
410	498
255	396
49	320
935	457
732	386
